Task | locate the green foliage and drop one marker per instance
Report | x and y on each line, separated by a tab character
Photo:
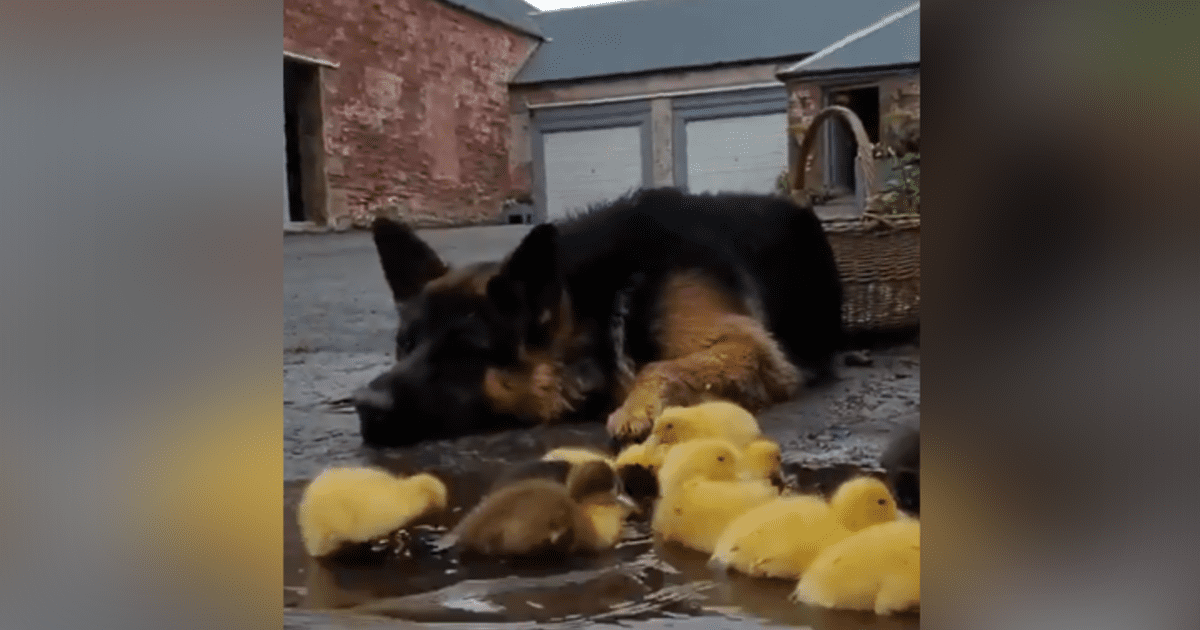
902	194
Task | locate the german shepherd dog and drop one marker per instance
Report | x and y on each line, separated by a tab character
659	298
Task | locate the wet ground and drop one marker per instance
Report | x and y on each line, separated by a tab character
339	327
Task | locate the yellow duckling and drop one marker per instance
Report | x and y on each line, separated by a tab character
878	568
713	419
701	494
649	456
781	538
778	539
763	459
344	506
863	501
576	455
638	464
540	516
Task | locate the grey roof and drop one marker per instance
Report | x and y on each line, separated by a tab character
514	14
651	35
893	41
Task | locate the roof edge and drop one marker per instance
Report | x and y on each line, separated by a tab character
848	72
517	81
852	37
512	26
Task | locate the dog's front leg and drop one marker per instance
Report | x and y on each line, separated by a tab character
743	365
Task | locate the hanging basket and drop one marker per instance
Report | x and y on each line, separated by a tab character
878	256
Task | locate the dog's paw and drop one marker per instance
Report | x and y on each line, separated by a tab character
630	424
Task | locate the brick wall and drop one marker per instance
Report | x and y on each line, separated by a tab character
804	102
416	117
897	93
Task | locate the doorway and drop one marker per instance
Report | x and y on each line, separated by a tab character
864	102
304	142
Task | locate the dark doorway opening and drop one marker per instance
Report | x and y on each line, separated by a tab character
864	102
304	141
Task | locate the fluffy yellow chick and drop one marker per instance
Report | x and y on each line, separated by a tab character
781	538
713	419
763	459
877	568
863	501
649	456
700	494
778	539
576	455
357	505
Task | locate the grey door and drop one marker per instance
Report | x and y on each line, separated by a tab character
737	154
588	166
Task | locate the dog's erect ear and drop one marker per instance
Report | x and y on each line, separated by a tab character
408	262
531	280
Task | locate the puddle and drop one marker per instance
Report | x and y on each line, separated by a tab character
642	583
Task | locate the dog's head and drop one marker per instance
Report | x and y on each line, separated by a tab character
479	348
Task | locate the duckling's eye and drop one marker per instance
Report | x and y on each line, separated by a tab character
670	425
721	458
882	502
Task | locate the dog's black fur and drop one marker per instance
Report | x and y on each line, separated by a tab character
759	248
902	462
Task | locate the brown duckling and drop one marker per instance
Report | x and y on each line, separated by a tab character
555	465
549	470
536	517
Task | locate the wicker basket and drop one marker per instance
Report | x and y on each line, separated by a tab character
878	256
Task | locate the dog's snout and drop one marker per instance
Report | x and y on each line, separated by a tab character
373	399
376	406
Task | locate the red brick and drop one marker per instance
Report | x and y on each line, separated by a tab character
416	116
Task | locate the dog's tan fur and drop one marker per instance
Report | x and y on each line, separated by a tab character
712	348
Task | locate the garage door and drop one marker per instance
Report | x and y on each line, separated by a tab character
743	154
583	167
